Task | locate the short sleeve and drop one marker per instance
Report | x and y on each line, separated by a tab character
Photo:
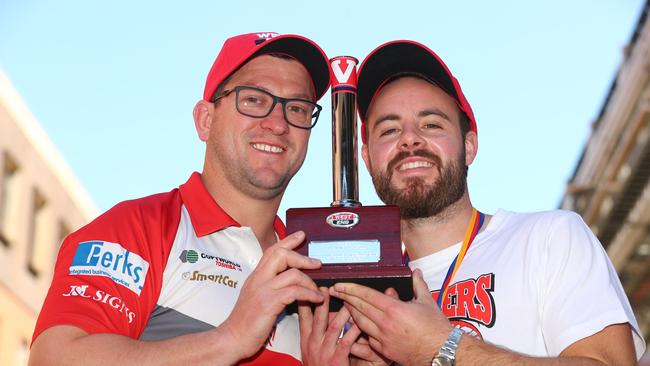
581	293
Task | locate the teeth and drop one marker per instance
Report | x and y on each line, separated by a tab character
268	148
415	164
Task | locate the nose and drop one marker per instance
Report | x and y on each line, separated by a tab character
275	121
410	139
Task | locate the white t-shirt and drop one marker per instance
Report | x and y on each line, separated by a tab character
532	283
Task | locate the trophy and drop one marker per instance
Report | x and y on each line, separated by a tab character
355	243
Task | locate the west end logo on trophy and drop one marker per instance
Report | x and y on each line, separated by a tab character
355	243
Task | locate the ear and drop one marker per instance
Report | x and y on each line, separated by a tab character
203	119
364	155
471	147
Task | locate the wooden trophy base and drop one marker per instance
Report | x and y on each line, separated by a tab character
356	244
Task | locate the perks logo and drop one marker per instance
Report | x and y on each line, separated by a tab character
470	303
344	71
101	258
102	297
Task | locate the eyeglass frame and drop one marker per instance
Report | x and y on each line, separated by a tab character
276	100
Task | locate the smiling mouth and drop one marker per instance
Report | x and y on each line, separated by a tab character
267	148
414	165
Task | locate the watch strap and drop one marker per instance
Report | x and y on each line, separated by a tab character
448	349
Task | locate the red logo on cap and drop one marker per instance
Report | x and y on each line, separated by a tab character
344	71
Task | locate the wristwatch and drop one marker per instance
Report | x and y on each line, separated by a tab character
447	354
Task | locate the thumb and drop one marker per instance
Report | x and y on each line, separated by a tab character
421	289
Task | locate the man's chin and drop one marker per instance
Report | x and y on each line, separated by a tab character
270	182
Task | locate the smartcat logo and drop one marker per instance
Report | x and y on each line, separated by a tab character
220	279
103	297
101	258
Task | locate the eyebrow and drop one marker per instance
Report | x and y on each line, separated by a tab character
298	95
386	117
424	113
435	112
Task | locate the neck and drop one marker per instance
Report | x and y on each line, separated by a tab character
256	213
428	235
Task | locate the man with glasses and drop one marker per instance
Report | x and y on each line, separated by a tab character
201	274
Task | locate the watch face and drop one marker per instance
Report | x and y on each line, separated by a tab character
442	361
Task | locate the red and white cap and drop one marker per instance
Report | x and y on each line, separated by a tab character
238	50
403	56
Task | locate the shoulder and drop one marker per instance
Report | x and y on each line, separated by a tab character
140	212
545	229
137	223
540	220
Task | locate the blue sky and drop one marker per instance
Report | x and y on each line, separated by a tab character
114	83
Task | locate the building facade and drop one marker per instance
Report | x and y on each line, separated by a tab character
40	203
610	186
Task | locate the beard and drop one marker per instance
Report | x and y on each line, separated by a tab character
418	199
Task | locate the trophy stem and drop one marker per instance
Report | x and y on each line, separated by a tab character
344	136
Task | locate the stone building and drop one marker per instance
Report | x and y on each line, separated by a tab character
40	203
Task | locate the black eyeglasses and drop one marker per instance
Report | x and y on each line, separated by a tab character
258	103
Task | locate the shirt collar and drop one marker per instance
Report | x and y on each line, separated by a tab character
206	215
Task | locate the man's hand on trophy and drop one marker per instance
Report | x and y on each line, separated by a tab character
321	340
392	325
320	334
275	283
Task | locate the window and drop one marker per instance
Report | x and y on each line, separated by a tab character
40	240
9	199
64	231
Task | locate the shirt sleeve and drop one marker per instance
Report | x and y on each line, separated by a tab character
581	293
108	274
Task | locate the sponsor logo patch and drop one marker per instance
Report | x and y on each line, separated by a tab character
342	219
102	258
220	279
191	256
102	297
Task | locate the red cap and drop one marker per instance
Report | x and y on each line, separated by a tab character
237	50
405	56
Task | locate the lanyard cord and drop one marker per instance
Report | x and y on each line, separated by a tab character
473	228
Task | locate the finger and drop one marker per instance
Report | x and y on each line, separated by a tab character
289	294
350	336
292	240
421	289
376	345
335	327
277	259
321	314
368	301
292	277
362	321
305	319
392	293
363	351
